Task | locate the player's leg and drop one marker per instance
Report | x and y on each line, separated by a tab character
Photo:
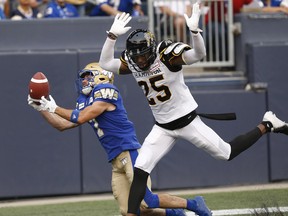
122	176
196	205
202	136
158	143
150	200
270	123
172	205
120	183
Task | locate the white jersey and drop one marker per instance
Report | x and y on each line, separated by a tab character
167	94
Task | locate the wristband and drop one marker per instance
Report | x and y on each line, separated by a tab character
74	116
111	36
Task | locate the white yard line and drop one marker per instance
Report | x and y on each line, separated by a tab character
243	211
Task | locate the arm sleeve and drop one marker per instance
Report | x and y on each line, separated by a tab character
107	60
284	3
197	53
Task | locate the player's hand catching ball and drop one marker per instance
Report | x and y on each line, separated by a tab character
31	102
193	21
48	105
118	26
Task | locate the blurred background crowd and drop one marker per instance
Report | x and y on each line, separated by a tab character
35	9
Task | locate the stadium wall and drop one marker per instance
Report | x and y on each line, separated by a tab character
37	160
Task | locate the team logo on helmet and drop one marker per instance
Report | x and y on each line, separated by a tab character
93	75
141	42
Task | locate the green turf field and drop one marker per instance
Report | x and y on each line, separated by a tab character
215	201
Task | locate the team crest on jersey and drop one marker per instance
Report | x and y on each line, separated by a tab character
155	67
106	93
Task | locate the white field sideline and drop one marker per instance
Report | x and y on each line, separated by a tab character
244	211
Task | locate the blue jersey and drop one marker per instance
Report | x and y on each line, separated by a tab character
113	128
2	15
275	3
124	6
96	11
53	10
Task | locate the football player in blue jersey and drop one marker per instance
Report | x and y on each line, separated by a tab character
100	104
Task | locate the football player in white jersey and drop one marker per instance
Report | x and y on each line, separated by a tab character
158	71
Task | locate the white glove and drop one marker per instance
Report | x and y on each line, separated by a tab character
48	105
31	102
118	26
193	21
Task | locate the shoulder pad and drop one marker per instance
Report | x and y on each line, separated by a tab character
105	91
176	48
163	45
123	59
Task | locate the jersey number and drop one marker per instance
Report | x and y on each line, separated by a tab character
162	88
100	132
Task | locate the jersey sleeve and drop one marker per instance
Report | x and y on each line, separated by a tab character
168	50
81	101
105	92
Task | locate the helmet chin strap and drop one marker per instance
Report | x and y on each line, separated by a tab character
87	90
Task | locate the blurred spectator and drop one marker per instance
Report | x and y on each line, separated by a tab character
275	3
215	27
2	15
24	10
60	9
275	6
173	11
112	7
270	6
41	5
5	8
80	5
239	4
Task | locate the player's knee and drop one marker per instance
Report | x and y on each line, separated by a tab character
123	211
152	200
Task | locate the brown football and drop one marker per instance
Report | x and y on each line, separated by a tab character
39	86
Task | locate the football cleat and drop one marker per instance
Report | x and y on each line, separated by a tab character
179	212
201	208
274	124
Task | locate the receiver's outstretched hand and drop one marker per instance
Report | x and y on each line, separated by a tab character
48	105
32	103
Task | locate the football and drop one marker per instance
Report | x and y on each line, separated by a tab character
39	86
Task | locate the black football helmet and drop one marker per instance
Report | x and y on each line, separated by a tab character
141	42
